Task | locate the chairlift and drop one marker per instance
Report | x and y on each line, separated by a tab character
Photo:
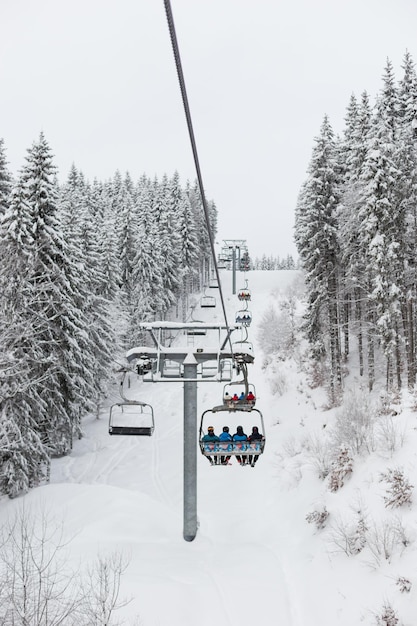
244	294
221	416
244	317
196	330
244	393
213	284
144	366
242	347
172	369
207	302
130	417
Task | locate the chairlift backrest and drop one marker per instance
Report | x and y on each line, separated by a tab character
131	418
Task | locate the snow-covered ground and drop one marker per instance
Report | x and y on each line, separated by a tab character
255	559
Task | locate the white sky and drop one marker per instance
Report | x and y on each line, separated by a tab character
255	559
98	77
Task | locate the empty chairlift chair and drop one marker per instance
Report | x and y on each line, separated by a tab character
208	302
131	418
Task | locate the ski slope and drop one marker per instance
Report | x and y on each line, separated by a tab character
255	560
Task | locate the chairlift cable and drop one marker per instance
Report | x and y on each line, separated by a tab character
181	80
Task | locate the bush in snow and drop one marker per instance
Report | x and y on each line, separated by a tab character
37	585
388	617
341	467
403	584
278	382
354	425
384	539
389	436
350	538
319	452
400	490
319	518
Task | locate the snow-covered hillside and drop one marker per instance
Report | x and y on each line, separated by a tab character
256	559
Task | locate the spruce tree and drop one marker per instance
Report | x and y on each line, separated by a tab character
316	239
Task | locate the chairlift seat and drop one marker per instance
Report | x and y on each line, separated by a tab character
131	430
131	418
208	302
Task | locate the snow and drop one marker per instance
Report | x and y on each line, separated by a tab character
255	559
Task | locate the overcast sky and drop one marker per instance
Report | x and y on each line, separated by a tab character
98	78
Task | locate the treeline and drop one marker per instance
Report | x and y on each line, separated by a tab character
81	264
274	263
356	233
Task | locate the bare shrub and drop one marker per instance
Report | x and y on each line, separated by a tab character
319	453
276	333
349	537
400	490
384	539
278	383
354	425
37	587
102	590
403	584
389	437
319	518
388	617
33	568
341	467
291	447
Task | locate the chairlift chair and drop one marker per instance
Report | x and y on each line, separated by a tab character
131	418
221	416
238	387
244	317
207	302
244	294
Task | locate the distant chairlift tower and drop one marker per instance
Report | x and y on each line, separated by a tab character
233	246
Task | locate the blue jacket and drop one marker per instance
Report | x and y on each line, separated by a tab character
210	438
225	437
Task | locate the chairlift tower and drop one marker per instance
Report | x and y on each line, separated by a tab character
234	246
189	360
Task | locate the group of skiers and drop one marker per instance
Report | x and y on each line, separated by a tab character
242	399
239	437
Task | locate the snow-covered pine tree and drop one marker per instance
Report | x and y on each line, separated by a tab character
126	225
189	252
353	152
165	209
51	303
381	236
407	96
316	239
5	180
194	196
147	299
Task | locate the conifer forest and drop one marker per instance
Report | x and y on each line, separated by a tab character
81	264
356	232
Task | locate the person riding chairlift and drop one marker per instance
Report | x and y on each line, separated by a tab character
250	397
240	437
211	438
254	437
225	436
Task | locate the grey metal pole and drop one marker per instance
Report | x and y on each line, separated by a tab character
234	270
190	448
